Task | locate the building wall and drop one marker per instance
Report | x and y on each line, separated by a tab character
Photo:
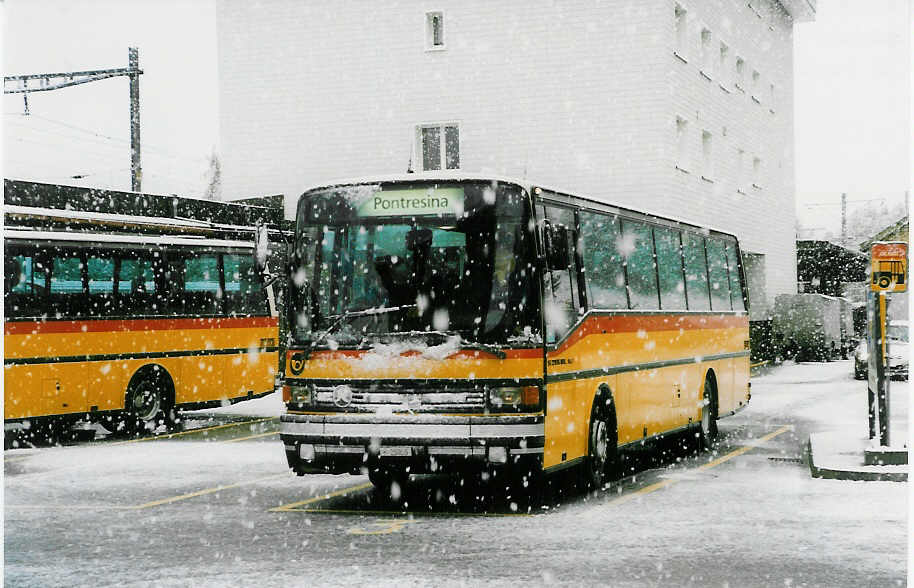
738	116
579	94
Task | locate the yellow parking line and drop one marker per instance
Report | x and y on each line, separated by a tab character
293	505
67	507
744	449
192	431
12	459
205	491
663	483
253	436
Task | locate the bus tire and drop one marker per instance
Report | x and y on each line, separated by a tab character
708	422
147	403
602	441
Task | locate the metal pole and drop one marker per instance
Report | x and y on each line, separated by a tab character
844	219
136	171
881	385
872	384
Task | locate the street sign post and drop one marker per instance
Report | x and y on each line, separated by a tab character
888	273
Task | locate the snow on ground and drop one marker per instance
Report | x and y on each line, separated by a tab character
268	406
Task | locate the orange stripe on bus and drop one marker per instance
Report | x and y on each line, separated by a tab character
125	325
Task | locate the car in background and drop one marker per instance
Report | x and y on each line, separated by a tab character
897	335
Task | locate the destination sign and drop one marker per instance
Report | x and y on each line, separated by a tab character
413	202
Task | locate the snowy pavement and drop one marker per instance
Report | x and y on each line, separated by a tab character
219	507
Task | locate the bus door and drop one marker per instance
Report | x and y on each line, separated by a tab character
64	383
568	399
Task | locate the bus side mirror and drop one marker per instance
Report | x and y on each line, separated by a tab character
558	256
261	248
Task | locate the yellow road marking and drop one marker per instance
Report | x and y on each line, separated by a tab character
663	483
192	431
205	491
386	527
12	459
253	436
292	506
67	507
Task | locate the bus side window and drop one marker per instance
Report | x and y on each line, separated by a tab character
718	274
736	289
600	237
696	267
25	285
669	269
244	294
202	293
68	297
641	269
136	285
561	293
101	284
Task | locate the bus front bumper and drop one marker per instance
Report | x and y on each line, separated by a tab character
347	443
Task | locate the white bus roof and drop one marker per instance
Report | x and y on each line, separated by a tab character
102	217
117	238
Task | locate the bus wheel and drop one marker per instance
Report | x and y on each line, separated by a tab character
709	412
144	407
602	445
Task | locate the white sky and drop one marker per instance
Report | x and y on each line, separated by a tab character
85	129
852	107
852	99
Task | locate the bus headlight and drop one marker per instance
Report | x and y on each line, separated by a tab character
514	397
297	393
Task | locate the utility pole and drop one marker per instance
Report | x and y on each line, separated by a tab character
844	219
29	83
133	66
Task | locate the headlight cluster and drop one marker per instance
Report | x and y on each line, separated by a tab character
514	397
297	393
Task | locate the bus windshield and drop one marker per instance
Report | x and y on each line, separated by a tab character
374	262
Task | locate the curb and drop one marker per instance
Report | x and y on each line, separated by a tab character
861	474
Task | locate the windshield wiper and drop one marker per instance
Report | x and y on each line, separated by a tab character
341	318
493	349
464	343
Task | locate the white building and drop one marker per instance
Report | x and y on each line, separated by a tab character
683	107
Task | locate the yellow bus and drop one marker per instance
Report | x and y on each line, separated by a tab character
441	323
126	318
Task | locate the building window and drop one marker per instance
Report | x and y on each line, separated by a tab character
707	55
682	31
756	172
724	64
437	153
740	80
682	143
707	156
434	30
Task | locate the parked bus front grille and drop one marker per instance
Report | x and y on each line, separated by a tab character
397	398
